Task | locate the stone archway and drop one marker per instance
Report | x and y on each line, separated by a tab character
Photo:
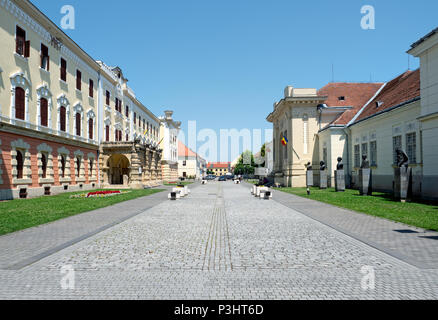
118	169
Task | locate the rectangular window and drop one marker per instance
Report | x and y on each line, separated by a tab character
411	147
44	112
357	156
373	153
63	70
45	58
91	89
78	80
396	144
90	129
107	133
108	98
184	163
364	149
135	118
127	112
22	47
117	104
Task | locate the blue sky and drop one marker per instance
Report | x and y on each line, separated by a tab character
224	63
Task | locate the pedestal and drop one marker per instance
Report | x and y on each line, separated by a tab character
402	183
323	179
340	180
365	182
309	178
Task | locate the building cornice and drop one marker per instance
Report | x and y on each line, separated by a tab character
302	101
5	127
32	17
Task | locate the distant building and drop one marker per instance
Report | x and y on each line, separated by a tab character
190	164
169	135
219	168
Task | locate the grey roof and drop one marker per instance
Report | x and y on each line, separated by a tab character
430	34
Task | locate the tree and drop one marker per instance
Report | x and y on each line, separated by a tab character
246	164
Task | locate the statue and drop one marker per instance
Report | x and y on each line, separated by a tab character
323	176
340	176
365	163
402	177
309	166
402	158
340	165
323	166
365	183
309	175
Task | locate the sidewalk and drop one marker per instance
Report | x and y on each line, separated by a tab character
415	246
22	248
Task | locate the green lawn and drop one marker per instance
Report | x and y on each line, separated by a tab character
418	214
25	213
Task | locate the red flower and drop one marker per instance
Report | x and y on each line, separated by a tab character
102	193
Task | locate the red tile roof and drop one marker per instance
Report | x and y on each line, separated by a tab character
218	165
356	95
184	151
399	90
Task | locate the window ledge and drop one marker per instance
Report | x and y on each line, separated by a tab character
21	57
46	180
21	181
44	70
64	180
80	179
63	82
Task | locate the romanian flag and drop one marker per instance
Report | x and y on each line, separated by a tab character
284	141
146	132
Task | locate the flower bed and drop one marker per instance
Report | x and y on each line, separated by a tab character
98	194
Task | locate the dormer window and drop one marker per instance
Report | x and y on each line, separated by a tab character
379	104
341	98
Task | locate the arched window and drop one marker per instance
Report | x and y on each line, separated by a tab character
20	163
91	167
44	165
19	103
62	167
62	118
90	129
78	124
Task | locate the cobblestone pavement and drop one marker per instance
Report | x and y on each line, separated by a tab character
220	243
25	247
416	246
